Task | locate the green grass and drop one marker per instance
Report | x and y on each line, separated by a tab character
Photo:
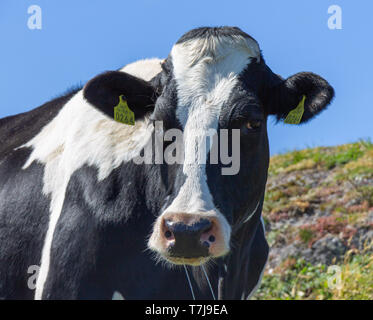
301	280
306	235
328	157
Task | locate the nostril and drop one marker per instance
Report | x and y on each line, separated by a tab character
169	224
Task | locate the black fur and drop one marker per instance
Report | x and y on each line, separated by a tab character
206	32
24	214
104	90
286	96
19	129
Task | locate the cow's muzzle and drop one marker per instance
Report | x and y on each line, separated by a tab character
189	238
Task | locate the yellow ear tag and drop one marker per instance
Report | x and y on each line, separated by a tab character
295	115
122	113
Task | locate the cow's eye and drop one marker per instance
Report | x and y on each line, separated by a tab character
254	124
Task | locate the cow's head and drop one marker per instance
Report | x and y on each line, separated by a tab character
213	79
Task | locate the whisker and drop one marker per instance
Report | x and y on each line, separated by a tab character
208	281
190	283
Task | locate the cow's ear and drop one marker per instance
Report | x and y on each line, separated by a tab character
299	98
105	90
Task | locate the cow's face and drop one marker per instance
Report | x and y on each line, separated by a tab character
214	81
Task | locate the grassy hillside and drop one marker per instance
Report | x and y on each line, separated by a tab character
318	214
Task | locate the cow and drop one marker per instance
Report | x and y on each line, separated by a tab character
93	222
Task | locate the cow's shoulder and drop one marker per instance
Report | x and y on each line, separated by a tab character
18	129
26	128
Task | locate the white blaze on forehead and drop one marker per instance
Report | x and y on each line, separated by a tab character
206	71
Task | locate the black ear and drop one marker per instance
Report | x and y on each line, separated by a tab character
104	90
287	94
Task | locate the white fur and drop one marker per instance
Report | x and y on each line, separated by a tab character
117	296
145	69
80	135
206	71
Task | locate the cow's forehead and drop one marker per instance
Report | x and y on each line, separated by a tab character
212	48
206	69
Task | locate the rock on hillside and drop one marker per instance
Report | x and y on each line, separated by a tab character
319	204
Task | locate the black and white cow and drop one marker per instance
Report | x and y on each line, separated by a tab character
74	203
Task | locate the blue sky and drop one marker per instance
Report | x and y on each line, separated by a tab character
80	39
